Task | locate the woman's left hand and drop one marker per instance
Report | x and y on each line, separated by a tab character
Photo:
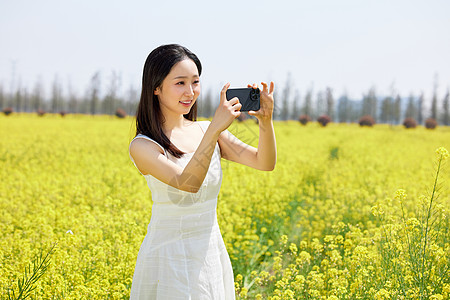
266	102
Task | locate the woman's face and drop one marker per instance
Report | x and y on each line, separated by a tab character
180	89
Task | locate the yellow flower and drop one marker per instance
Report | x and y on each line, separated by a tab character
412	222
243	292
424	200
377	210
382	295
293	248
442	153
339	239
400	195
303	257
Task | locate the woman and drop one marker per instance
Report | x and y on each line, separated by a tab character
183	255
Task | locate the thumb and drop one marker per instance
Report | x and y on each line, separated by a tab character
223	93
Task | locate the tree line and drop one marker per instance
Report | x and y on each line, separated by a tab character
290	104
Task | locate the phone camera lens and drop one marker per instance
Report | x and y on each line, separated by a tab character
254	94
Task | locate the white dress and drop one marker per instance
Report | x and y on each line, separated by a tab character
183	255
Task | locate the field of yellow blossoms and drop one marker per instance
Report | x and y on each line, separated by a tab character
348	212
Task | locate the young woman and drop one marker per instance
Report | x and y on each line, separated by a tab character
183	255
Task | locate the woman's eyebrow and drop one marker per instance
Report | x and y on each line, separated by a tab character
182	76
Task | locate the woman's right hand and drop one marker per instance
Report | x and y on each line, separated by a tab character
227	111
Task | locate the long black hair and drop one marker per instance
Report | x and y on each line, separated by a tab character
148	115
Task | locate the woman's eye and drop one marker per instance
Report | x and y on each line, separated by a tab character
197	81
181	82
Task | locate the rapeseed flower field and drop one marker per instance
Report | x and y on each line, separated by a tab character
348	212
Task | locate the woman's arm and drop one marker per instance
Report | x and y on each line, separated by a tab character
264	157
149	158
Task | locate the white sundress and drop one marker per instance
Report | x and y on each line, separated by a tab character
183	255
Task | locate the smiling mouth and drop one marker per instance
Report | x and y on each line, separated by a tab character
186	102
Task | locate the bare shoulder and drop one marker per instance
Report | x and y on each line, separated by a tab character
146	155
143	146
149	158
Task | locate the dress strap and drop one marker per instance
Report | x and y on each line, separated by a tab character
204	125
141	136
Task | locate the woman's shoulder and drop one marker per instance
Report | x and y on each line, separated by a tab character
141	137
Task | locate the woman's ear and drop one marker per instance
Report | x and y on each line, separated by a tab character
156	91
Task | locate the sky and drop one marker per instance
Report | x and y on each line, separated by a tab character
395	46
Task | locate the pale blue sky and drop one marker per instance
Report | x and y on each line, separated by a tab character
350	44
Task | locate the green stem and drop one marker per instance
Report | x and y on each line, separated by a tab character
426	228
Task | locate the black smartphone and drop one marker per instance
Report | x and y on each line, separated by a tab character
248	97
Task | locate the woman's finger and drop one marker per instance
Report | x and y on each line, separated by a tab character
233	100
265	89
223	93
272	87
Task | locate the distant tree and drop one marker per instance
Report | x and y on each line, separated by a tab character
434	99
41	112
324	120
295	106
56	98
445	109
18	98
366	121
26	100
386	114
72	100
409	123
304	119
411	108
84	103
93	92
355	110
434	107
285	98
420	108
343	110
110	101
37	96
430	123
132	101
320	104
370	103
120	113
330	103
307	106
397	111
2	97
7	111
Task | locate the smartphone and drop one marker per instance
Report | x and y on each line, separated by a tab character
248	97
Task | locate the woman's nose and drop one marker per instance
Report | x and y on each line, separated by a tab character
190	90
